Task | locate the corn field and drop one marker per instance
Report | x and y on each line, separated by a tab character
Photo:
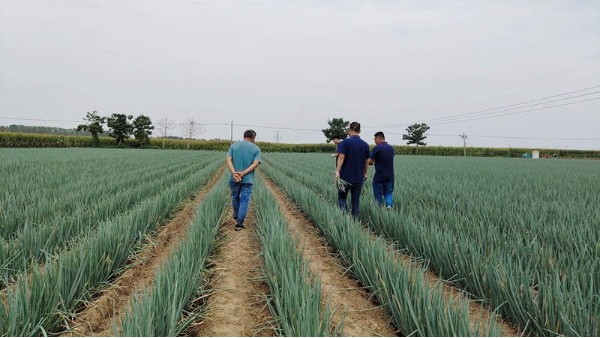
30	140
518	237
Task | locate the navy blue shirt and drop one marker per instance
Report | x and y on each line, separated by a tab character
383	155
356	152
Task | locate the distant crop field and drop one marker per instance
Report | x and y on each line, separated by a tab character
145	238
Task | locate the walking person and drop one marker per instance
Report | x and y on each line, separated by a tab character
337	139
382	156
352	166
243	158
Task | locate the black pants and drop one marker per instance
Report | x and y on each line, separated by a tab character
354	190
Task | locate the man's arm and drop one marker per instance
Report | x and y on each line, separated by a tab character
372	156
236	176
340	162
249	169
230	165
369	160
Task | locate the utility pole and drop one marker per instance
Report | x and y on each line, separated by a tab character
277	136
231	131
464	137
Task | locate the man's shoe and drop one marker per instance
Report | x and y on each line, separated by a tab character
239	227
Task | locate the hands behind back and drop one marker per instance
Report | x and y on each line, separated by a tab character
237	177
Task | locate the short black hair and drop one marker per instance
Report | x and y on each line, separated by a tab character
355	126
380	134
249	133
338	136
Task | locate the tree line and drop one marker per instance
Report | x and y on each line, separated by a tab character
120	127
415	133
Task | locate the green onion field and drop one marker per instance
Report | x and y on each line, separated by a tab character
139	242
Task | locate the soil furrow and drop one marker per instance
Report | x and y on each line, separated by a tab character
96	319
362	316
237	306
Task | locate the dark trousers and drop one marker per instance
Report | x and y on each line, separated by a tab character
354	190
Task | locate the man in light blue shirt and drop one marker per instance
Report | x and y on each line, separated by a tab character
242	158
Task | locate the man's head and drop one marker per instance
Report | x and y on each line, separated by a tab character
250	135
337	138
379	137
354	128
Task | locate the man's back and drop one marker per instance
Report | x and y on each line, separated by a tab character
243	153
356	152
383	155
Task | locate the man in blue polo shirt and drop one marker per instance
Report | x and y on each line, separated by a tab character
383	181
337	139
352	165
242	158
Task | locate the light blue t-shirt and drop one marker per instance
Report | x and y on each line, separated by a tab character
243	154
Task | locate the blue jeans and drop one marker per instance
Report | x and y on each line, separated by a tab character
355	190
240	198
383	190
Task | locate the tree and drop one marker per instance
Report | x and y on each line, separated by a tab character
190	129
164	125
337	126
94	126
416	134
119	127
142	129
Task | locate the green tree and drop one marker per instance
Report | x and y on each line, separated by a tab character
142	129
119	127
94	126
337	126
416	134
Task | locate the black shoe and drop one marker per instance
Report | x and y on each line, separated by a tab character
239	227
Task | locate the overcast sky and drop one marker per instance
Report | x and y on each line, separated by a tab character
294	64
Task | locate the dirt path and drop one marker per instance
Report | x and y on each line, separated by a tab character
97	318
362	316
237	307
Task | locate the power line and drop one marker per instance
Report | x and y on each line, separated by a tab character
508	137
593	64
524	102
505	107
515	113
538	138
272	127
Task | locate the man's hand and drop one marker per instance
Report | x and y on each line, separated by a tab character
337	175
237	177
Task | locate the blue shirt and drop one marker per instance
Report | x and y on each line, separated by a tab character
356	152
383	155
243	154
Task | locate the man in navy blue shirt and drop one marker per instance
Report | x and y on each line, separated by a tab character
352	165
383	181
337	138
